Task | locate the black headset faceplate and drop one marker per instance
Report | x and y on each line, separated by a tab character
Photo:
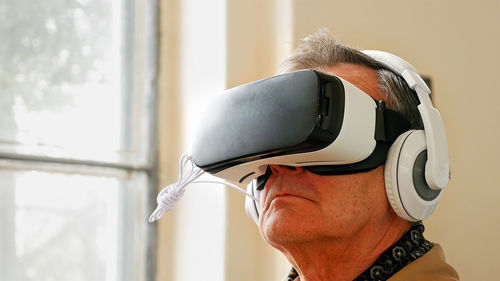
295	112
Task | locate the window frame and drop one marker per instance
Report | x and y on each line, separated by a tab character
139	82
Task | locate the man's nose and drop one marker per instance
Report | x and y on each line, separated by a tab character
279	169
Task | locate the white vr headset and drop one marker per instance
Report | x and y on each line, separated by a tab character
328	126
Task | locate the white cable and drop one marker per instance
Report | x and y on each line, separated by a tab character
171	194
230	185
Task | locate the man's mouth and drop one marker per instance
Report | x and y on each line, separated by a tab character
284	196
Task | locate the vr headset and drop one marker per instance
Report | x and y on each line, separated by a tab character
328	126
304	118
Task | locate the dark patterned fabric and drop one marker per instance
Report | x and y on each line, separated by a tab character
408	248
292	275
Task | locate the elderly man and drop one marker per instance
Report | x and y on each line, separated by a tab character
342	227
314	145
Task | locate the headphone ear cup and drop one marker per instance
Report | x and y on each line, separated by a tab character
251	206
407	190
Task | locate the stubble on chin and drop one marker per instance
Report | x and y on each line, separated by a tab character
283	225
275	229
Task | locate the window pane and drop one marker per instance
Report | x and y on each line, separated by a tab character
62	78
71	226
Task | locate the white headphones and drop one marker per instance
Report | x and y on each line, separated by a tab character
417	165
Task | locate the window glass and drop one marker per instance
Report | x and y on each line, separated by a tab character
76	165
66	226
61	76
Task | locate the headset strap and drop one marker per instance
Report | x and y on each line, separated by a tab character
389	125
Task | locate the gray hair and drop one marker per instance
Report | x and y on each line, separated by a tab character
321	50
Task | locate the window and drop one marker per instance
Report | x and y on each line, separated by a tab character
77	162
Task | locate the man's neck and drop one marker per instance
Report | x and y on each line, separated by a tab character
344	258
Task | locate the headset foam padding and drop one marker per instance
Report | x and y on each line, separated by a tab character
407	191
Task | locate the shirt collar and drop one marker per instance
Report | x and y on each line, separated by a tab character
408	248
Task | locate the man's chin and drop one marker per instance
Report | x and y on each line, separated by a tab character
283	226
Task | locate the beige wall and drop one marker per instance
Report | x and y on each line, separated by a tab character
253	53
168	126
253	28
456	43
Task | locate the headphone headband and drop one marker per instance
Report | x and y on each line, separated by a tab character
437	168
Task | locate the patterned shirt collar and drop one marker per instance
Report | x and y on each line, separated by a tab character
408	248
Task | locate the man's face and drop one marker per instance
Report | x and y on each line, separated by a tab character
299	206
